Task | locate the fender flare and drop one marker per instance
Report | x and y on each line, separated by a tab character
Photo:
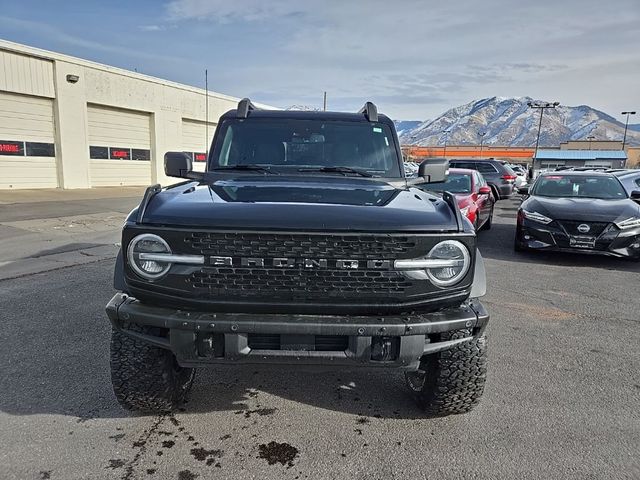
118	273
479	286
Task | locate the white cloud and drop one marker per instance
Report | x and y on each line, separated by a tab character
151	28
420	56
227	11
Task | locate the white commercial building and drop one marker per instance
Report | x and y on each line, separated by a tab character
71	123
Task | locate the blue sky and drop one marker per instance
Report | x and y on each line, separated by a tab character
415	58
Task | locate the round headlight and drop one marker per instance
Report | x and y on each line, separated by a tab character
456	255
146	268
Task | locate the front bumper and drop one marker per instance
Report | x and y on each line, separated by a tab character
612	242
198	338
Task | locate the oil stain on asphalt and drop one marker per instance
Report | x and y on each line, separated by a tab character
187	475
151	437
274	452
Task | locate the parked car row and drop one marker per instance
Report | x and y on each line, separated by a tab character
477	185
584	210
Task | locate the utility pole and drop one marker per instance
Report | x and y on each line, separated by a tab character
626	124
446	137
542	106
324	102
482	134
590	137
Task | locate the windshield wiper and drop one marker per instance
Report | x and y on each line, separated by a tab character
362	173
245	167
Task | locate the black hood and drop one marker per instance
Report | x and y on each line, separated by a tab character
583	209
324	203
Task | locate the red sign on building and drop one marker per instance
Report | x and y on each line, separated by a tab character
11	148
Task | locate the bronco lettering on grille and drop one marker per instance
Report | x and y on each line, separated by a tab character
307	263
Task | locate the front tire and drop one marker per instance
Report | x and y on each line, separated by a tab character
452	381
517	246
146	378
489	221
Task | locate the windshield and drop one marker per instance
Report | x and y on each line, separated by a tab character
291	145
603	187
455	183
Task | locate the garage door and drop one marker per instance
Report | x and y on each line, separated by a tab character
196	140
119	146
27	153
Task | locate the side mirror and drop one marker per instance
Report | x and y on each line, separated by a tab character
484	190
177	164
635	195
434	170
524	190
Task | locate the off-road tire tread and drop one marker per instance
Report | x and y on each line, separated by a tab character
455	377
145	378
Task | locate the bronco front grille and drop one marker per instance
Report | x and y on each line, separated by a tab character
293	245
300	282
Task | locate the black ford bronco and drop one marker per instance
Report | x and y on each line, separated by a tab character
303	243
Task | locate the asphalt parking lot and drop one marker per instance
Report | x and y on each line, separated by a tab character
561	399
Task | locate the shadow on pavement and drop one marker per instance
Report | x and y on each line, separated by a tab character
380	394
54	349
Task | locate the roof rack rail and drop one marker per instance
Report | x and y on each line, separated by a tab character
244	107
370	111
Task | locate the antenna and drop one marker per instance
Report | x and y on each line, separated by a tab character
324	103
206	109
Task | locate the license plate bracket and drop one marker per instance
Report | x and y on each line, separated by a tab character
578	241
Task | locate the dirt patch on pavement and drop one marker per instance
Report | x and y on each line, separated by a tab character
542	311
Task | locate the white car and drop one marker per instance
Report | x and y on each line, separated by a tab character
521	175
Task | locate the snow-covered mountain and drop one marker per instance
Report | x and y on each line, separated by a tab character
404	126
510	122
304	108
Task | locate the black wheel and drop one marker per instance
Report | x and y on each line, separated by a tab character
489	222
517	246
146	378
452	381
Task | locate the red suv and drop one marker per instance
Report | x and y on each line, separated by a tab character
475	198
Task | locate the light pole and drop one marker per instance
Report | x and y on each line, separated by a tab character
541	106
482	134
590	137
626	124
446	137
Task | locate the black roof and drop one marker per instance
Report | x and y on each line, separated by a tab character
577	173
368	113
307	115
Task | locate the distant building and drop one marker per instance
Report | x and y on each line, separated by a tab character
70	123
519	155
552	159
591	145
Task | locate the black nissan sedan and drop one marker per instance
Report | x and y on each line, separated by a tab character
575	211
